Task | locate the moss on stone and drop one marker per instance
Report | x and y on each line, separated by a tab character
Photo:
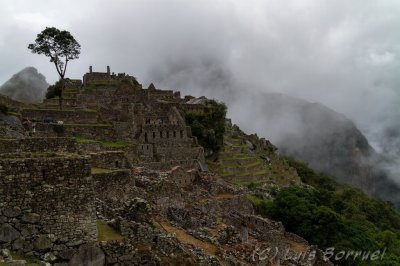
107	233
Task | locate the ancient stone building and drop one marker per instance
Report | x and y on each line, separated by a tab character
93	77
116	107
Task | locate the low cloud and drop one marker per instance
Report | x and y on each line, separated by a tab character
343	54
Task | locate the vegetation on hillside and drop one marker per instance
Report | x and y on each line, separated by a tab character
3	109
209	126
332	214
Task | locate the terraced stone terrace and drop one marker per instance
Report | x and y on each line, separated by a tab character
242	162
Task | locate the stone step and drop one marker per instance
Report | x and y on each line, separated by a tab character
257	175
255	166
70	94
240	161
71	90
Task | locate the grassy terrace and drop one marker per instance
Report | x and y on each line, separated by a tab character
104	143
243	167
97	170
88	125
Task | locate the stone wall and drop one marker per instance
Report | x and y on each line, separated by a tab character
196	108
109	159
95	131
11	104
37	145
168	95
67	116
106	76
182	177
146	152
115	184
46	203
164	134
94	98
186	164
167	153
54	102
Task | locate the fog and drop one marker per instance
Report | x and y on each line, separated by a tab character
28	85
343	54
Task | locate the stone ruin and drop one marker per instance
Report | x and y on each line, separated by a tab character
117	108
123	154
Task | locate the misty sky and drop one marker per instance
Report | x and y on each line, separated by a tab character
344	54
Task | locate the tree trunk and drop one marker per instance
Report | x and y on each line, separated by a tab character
60	98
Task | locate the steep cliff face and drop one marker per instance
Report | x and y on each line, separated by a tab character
325	139
28	85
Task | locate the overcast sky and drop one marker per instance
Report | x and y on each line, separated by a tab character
344	54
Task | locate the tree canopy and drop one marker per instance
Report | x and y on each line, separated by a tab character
61	47
57	44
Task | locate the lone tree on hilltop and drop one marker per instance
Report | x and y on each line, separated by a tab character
60	46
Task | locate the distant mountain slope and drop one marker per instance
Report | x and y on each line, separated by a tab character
325	139
28	85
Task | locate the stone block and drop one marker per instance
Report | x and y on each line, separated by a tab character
8	233
12	212
42	243
89	255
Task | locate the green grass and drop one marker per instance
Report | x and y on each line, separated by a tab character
252	164
98	170
88	125
14	113
246	182
28	259
235	157
255	200
84	140
107	233
104	143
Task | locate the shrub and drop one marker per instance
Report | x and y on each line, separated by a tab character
54	91
3	109
209	127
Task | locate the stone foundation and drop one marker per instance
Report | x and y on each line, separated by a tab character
37	145
46	203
